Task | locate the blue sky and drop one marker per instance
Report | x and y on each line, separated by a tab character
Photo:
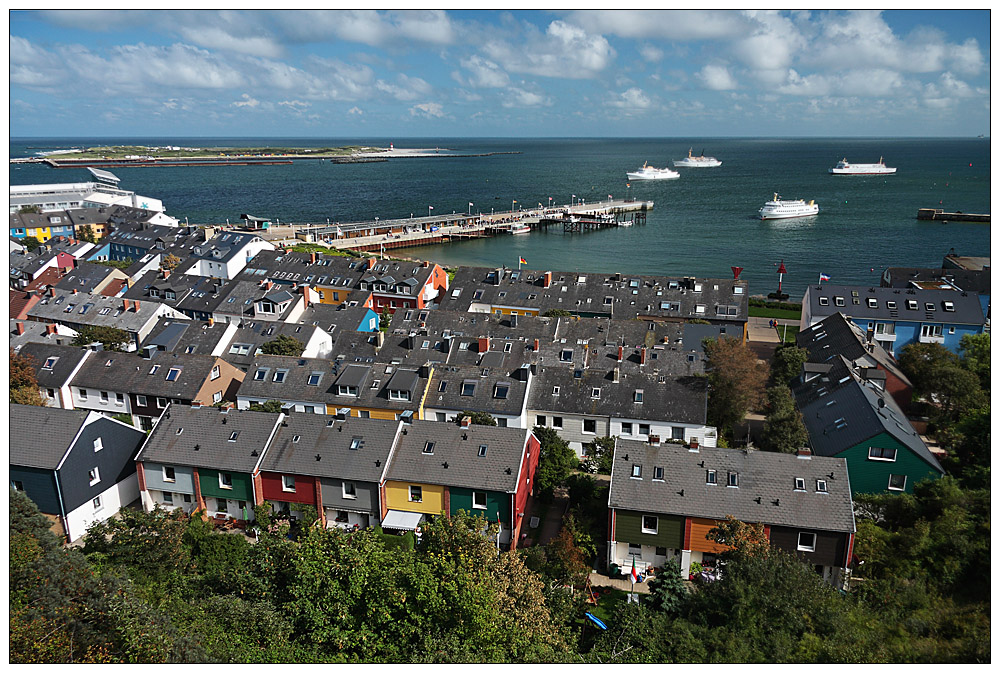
436	73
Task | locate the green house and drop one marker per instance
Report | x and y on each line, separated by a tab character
857	419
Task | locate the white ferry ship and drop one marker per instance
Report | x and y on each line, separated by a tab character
778	209
697	162
647	172
844	167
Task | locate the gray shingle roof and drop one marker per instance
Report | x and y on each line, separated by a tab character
967	309
836	336
132	373
39	436
209	429
93	309
67	359
459	448
769	477
331	439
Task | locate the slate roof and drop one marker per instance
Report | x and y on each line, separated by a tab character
256	333
224	246
296	382
35	332
616	295
93	309
967	309
835	336
178	334
486	394
209	429
458	447
39	436
59	374
333	319
132	373
85	277
839	411
331	439
152	283
965	279
767	477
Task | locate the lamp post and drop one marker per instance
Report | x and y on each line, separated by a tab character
573	201
429	209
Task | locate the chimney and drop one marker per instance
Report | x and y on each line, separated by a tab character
268	285
50	328
497	276
484	344
426	264
135	305
312	258
616	375
75	291
805	452
126	304
547	279
371	263
379	339
52	291
621	353
536	345
19	326
693	445
466	421
654	440
166	273
196	404
642	355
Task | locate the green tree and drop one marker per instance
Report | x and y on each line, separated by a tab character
556	313
384	319
23	382
30	242
787	363
477	418
974	353
667	591
115	263
784	430
29	209
566	563
736	382
283	345
601	453
555	461
170	262
923	363
270	407
114	339
150	545
85	232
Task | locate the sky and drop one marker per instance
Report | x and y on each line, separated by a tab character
457	73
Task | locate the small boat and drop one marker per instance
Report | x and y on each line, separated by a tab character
520	229
844	167
778	209
648	172
697	162
625	223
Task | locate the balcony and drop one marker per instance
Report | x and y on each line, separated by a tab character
931	339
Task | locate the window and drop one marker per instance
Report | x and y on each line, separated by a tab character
173	373
710	477
288	483
839	301
233	435
83	394
644	429
821	486
595	393
649	524
140	400
897	482
626	428
222	505
540	420
154	369
637	398
98	505
215	373
416	494
169	474
168	497
442	386
355	443
557	422
590	426
119	398
94	475
877	453
734	480
225	480
637	471
98	444
555	391
478	500
911	304
468	388
260	374
566	355
807	542
800	484
104	397
18	485
483	448
187	497
161	402
350	490
501	391
872	302
429	448
824	301
216	397
657	474
50	363
239	349
279	376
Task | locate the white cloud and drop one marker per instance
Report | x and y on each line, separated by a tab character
716	78
377	29
632	99
246	101
651	53
679	25
405	88
428	110
860	82
355	111
564	51
485	73
296	105
517	97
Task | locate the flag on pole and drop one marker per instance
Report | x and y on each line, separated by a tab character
522	260
430	207
471	204
515	201
635	575
823	277
339	232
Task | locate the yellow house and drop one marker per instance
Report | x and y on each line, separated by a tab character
508	310
415	497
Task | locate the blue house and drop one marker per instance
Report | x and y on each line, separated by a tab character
896	317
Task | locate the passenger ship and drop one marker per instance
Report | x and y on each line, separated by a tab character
697	162
844	167
647	172
778	209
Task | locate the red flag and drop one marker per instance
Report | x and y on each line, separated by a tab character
635	575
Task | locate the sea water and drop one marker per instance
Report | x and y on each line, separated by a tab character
701	224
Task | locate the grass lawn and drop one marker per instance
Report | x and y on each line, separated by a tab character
761	312
607	602
789	335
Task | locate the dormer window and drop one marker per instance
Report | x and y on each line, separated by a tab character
710	477
839	301
638	397
428	448
734	480
800	484
824	301
821	486
911	304
637	471
595	393
483	448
